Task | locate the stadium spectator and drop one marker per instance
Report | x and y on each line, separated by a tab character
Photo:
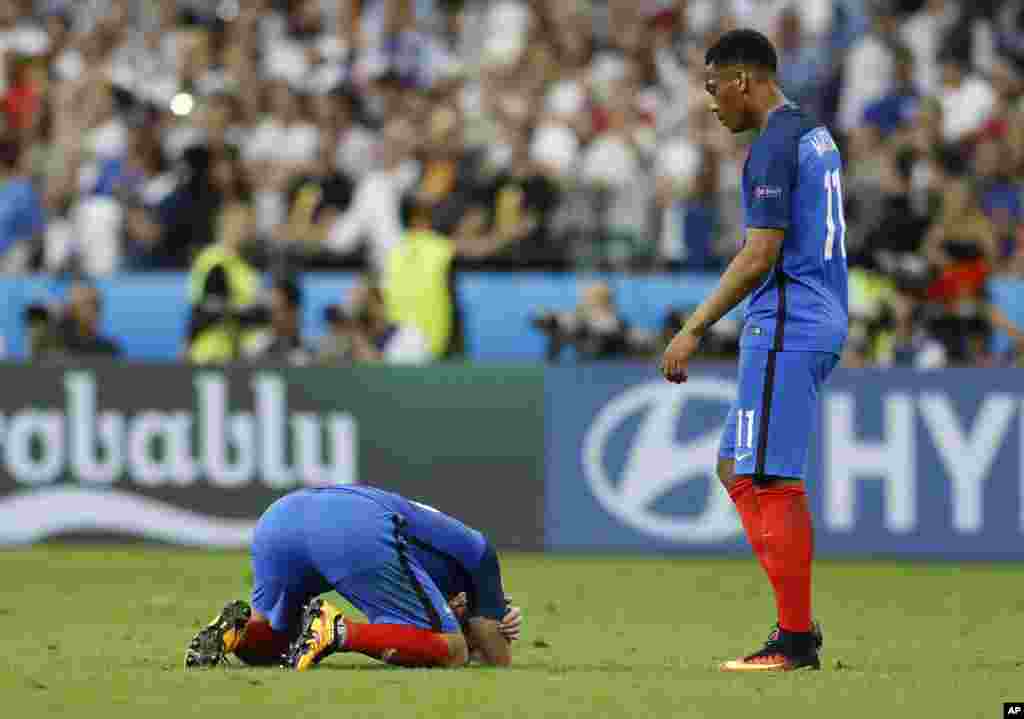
282	342
363	332
22	104
214	179
374	214
611	170
893	230
418	280
304	55
967	99
686	190
20	36
591	120
961	244
868	67
800	66
315	201
999	195
21	211
337	117
452	172
1009	31
280	148
924	32
78	331
910	343
519	193
139	182
897	107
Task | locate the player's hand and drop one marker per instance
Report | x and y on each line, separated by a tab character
458	605
677	355
512	623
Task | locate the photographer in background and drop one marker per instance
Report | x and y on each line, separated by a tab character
69	331
283	341
594	329
80	328
223	291
362	332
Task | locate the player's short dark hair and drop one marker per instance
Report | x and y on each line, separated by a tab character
743	47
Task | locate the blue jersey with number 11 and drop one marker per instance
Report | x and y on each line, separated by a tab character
792	181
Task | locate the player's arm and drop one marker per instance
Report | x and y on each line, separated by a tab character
745	273
772	175
486	611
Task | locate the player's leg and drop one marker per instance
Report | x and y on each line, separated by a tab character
735	443
777	432
283	581
261	644
785	513
744	497
326	630
410	621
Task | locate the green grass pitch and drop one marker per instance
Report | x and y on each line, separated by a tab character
100	632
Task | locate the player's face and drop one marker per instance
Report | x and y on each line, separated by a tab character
726	88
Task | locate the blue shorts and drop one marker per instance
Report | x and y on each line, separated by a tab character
769	428
310	542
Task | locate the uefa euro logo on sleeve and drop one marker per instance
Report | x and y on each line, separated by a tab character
767	192
1013	709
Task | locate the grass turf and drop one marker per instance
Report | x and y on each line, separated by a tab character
100	631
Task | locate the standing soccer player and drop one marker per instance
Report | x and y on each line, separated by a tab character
793	268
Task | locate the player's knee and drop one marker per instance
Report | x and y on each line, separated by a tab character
458	651
726	471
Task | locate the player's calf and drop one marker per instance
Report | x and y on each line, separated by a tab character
325	631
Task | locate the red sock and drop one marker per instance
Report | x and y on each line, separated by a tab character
261	645
745	498
397	644
788	536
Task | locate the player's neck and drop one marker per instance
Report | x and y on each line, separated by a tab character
774	99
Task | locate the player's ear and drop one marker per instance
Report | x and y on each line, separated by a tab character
744	79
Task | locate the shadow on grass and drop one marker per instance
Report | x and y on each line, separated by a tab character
544	667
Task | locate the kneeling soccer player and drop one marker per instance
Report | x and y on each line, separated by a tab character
397	561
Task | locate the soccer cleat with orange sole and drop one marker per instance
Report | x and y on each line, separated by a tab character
219	638
323	634
783	652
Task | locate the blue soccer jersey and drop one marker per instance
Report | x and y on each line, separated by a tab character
792	181
397	561
457	557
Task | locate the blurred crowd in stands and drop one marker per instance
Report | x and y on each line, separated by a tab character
502	134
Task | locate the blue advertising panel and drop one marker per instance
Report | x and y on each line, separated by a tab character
904	463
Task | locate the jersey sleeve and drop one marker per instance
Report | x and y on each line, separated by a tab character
771	177
487	595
